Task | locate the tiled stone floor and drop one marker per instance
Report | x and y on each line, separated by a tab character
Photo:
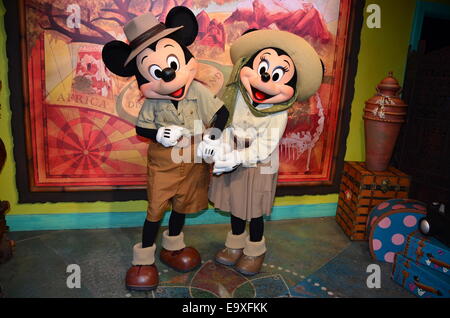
306	258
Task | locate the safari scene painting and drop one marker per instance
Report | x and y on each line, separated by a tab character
81	125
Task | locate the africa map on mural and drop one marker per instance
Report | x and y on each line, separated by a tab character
82	117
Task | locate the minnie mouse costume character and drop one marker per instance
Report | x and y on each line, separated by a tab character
272	70
157	55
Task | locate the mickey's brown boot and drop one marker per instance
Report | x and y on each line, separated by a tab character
143	274
234	245
176	255
252	259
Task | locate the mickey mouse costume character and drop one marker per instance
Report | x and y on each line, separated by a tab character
157	55
272	69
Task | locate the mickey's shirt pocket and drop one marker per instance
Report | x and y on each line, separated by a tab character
190	114
146	118
161	118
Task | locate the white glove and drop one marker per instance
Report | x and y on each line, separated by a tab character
227	163
212	149
169	136
207	148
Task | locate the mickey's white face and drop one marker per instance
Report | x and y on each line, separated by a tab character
266	81
168	75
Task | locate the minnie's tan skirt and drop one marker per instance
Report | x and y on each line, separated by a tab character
246	192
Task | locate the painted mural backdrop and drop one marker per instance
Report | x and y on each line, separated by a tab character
82	117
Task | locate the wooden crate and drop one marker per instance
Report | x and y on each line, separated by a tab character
361	190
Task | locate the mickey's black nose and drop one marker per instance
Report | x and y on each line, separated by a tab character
265	77
168	74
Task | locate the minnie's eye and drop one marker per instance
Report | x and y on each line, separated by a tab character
277	74
263	67
155	72
173	63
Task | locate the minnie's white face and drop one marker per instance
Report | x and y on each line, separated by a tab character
168	75
267	80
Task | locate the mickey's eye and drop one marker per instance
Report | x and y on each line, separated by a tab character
263	67
277	74
173	63
155	72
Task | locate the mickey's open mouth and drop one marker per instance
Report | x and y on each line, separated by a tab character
178	93
259	96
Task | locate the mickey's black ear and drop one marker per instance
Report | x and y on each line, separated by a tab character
114	55
183	16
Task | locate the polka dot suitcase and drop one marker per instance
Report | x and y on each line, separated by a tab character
420	280
390	223
393	204
429	252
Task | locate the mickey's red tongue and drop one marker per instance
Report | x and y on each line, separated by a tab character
177	93
260	95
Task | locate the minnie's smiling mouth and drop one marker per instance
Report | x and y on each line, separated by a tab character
259	96
178	93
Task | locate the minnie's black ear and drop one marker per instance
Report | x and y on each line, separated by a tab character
324	69
249	30
183	16
114	55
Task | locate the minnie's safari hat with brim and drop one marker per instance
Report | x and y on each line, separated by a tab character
307	61
143	31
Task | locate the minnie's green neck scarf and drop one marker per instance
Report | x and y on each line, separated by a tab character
234	85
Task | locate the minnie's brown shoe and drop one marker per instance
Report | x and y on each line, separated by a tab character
252	259
228	256
250	265
234	246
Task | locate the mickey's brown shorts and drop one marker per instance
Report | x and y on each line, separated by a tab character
182	186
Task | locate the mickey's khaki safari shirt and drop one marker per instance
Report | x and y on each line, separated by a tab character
198	105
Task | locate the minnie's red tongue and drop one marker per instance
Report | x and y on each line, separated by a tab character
260	95
177	93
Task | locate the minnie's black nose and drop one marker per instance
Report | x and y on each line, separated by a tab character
265	77
168	74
